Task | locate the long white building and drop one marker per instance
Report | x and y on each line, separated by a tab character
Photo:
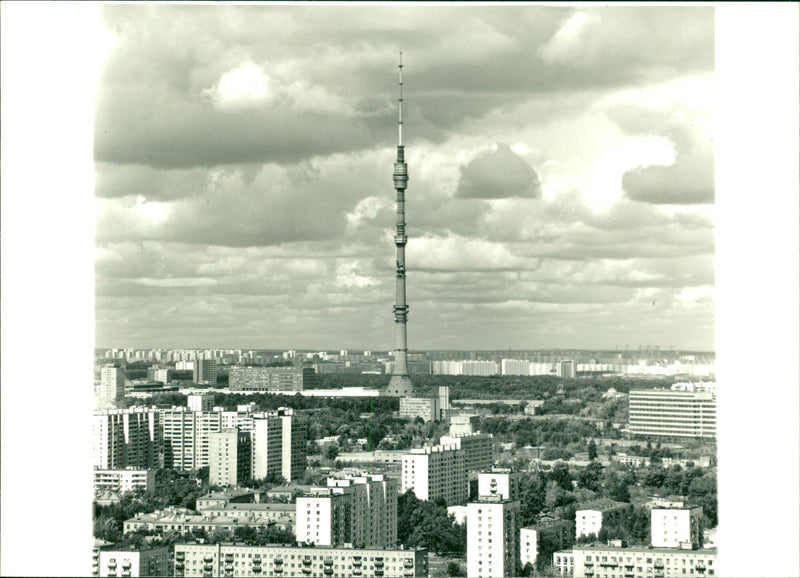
120	481
673	414
273	560
641	562
436	472
356	510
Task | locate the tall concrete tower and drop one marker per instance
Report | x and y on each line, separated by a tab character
400	384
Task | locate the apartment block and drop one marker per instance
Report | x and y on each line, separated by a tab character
672	414
274	560
200	402
492	537
499	481
531	537
464	424
187	437
436	472
146	562
230	457
514	367
205	371
279	445
356	510
426	408
677	527
478	449
126	438
112	386
244	378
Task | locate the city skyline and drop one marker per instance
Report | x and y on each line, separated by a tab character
560	192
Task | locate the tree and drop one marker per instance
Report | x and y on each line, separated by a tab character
455	569
592	450
590	477
330	451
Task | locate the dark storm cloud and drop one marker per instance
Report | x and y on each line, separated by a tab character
690	180
152	110
498	174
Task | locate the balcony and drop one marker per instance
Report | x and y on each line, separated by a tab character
306	570
179	566
328	561
356	572
408	573
407	563
378	572
327	571
180	556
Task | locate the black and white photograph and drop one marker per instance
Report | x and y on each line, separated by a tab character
397	290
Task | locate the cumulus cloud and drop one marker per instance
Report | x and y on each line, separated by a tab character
498	174
690	180
246	86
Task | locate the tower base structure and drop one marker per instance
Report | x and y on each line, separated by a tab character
400	386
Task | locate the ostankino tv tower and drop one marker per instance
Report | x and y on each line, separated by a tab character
400	384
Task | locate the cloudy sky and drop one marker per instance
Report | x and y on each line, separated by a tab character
561	165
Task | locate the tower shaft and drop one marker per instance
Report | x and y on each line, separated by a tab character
400	384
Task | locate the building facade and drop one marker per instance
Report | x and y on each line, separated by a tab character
230	457
673	414
502	482
112	386
238	560
200	402
676	527
640	562
492	537
243	378
590	517
426	408
531	538
436	472
478	449
120	481
205	371
360	511
279	445
126	438
147	562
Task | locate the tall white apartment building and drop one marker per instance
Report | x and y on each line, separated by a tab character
230	457
676	527
514	367
356	510
112	386
279	445
478	449
492	537
436	472
566	368
673	414
186	436
200	402
126	438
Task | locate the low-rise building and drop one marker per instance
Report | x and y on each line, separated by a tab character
127	480
183	522
678	526
591	516
616	561
222	499
274	560
145	562
425	408
564	562
547	529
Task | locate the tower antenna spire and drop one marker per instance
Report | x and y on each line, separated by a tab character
400	104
